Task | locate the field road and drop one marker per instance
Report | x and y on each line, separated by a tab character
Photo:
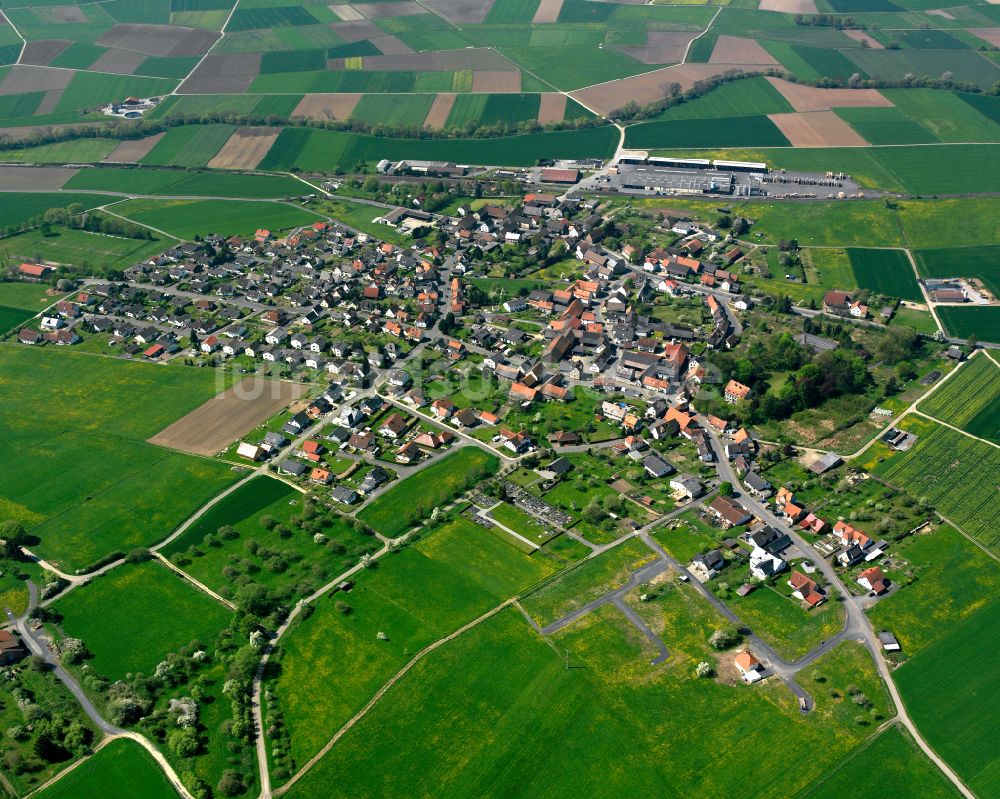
38	646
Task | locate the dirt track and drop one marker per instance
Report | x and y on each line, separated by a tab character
216	424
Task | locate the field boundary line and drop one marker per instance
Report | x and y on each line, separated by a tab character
851	756
385	688
105	209
196	583
955	429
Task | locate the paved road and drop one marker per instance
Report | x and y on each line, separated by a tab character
857	625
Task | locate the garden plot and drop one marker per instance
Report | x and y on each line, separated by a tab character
461	12
326	106
23	78
734	50
213	426
809	98
440	109
159	40
131	152
817	129
662	47
223	74
245	148
492	81
43	51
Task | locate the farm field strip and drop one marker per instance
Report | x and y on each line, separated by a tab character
976	385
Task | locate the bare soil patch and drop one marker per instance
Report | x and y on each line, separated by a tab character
159	40
496	82
991	35
390	45
461	11
65	14
441	61
552	108
789	6
24	78
817	129
735	50
245	148
326	106
121	62
864	36
346	12
231	73
356	31
35	178
661	47
439	111
548	11
131	152
216	424
940	12
650	86
809	98
390	10
49	102
43	51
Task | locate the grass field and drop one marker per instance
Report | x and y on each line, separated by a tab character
330	151
792	631
188	218
393	109
133	616
21	207
124	492
185	184
967	393
955	473
532	715
751	131
286	558
76	151
944	115
743	98
886	126
885	272
332	662
945	687
893	761
120	770
982	324
80	248
587	581
414	498
973	262
21	301
947	579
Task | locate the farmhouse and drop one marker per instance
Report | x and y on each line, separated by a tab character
11	648
748	666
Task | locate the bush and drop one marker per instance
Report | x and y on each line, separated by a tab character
724	638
